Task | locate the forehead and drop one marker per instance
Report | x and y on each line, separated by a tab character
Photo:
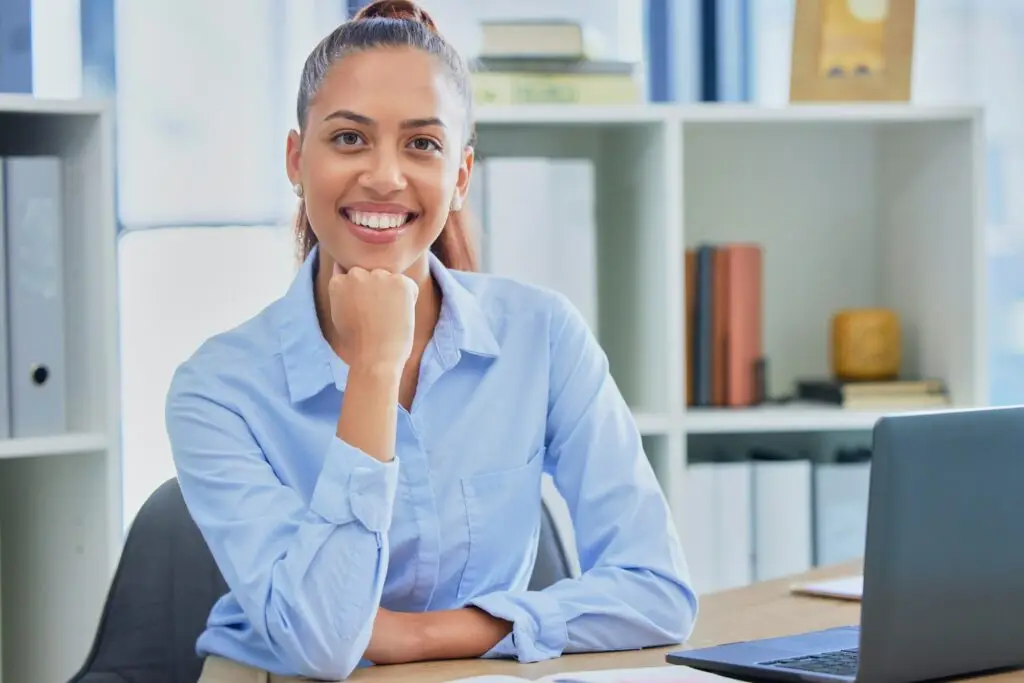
389	85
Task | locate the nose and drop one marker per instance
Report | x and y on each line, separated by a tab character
385	175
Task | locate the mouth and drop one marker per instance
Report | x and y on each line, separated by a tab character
378	221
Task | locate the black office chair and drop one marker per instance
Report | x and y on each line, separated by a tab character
166	583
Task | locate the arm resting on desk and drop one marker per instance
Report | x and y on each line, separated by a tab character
308	578
634	591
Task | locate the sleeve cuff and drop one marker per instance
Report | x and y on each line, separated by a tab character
538	628
354	486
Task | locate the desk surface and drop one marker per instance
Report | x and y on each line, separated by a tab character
760	611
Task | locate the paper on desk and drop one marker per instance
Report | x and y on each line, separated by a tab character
654	674
846	588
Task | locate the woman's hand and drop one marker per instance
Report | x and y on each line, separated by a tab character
374	316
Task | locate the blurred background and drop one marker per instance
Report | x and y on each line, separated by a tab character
204	95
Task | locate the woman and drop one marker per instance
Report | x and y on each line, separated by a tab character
364	456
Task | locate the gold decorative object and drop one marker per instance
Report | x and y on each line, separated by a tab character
866	344
852	50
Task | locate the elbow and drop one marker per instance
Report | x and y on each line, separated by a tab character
677	620
671	611
334	667
319	648
323	665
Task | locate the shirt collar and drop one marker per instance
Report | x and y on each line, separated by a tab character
311	365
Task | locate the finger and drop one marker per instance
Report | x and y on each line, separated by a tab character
337	269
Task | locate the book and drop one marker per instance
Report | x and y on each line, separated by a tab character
537	38
845	588
659	674
506	88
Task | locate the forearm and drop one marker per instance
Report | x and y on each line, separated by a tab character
460	633
369	410
403	637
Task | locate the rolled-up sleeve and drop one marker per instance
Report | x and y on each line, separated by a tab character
309	578
634	590
354	487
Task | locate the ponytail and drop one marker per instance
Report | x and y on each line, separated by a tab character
455	247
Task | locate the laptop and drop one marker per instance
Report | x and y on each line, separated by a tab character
943	563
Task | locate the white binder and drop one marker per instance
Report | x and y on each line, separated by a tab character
783	540
717	524
841	507
541	227
35	295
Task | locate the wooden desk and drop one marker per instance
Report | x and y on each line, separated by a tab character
763	610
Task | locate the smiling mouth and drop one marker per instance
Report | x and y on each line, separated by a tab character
378	221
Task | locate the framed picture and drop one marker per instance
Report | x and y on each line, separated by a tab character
852	50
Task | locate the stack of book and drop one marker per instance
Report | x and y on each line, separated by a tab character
896	394
549	62
724	339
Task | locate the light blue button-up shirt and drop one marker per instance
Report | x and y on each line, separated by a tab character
312	534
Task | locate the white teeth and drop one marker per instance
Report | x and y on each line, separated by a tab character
377	221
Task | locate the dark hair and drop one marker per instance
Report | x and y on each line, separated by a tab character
392	23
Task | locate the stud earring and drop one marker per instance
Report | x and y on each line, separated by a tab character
456	204
297	189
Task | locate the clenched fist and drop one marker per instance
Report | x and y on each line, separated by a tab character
374	314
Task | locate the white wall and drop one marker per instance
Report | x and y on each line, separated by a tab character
179	287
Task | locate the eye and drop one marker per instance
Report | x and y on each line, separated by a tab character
425	145
348	138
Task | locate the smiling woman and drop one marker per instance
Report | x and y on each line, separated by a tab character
349	453
337	137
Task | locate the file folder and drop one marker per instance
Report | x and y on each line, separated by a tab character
841	506
35	295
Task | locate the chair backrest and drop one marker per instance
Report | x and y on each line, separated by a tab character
167	582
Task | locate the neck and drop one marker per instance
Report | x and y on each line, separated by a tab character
428	303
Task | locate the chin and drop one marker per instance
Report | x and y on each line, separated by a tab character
391	260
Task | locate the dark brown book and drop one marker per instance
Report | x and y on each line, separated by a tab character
690	324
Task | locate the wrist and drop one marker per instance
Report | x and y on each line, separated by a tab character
377	371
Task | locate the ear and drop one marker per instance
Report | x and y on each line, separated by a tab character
293	158
462	180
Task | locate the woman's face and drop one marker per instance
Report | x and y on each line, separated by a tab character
382	159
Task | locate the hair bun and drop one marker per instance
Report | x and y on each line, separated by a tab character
396	9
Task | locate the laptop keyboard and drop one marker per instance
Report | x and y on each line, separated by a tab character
837	663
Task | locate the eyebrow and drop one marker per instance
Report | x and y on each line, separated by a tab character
367	121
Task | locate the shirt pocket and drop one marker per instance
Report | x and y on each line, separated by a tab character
503	512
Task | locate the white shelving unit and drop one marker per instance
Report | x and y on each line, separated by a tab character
854	205
60	496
